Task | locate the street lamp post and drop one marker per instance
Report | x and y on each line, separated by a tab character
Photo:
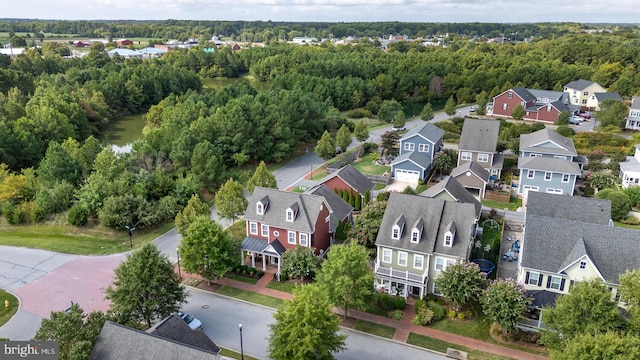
241	348
179	271
130	229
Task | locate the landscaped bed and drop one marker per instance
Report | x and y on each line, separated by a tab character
366	166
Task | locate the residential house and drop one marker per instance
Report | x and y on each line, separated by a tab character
124	42
170	339
630	169
304	40
570	239
633	120
279	220
473	177
125	53
418	147
452	190
593	103
548	162
478	143
418	238
81	44
348	178
580	91
539	105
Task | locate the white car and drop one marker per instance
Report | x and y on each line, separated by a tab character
401	128
574	120
191	321
473	108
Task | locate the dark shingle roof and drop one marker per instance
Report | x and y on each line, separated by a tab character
540	142
117	342
455	189
569	207
174	328
524	93
549	164
472	166
415	157
341	209
608	95
353	177
635	102
436	215
579	84
427	131
479	135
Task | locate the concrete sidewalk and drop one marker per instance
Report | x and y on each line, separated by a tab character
403	327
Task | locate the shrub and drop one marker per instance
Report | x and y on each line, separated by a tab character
588	191
630	220
369	147
359	113
438	310
461	316
452	314
396	314
423	317
15	214
468	314
260	273
399	303
419	304
78	215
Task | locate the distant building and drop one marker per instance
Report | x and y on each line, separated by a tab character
633	120
304	40
81	44
124	42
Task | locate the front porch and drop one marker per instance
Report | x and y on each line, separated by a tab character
400	283
261	252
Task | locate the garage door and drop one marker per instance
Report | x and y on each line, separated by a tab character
407	175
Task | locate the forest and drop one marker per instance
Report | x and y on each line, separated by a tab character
53	110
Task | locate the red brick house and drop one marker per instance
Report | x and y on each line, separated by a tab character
279	220
539	105
348	178
81	44
124	42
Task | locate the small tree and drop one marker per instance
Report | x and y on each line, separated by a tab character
367	198
305	327
400	120
361	132
326	147
207	249
262	177
450	107
343	137
563	118
442	162
389	140
145	287
388	110
518	112
612	112
504	301
602	180
462	283
610	346
195	207
620	202
345	276
230	201
365	229
75	332
565	131
301	262
357	202
427	112
630	292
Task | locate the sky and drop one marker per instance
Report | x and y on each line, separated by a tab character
504	11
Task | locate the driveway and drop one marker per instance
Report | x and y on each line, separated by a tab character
399	186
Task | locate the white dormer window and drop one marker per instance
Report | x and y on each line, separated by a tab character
289	215
415	236
448	239
395	233
259	209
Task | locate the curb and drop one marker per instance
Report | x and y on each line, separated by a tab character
189	287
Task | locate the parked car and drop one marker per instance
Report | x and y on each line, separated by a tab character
585	115
574	120
401	128
191	321
473	108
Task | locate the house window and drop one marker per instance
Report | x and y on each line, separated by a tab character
439	264
586	93
435	289
327	218
534	279
560	157
289	215
584	101
291	237
448	239
494	172
554	282
402	258
409	146
415	236
534	155
547	176
265	230
423	148
304	240
565	178
386	256
505	106
510	95
531	174
548	108
483	157
418	261
395	233
583	265
260	209
253	228
465	155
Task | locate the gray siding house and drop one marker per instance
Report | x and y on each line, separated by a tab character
548	162
418	147
478	143
418	238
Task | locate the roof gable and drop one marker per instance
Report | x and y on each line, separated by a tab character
352	177
456	190
479	135
308	209
341	209
547	141
588	210
428	132
472	167
416	157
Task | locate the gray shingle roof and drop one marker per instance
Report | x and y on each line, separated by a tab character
436	215
576	208
341	209
579	84
279	201
635	102
427	131
608	95
630	164
479	135
549	164
538	142
524	93
117	342
455	189
549	244
174	328
416	157
353	177
548	94
472	166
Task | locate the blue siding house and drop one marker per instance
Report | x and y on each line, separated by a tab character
548	163
417	150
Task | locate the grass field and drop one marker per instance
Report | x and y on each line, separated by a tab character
282	286
7	312
366	165
72	240
514	204
374	329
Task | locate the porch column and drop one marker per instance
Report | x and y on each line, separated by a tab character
421	292
540	320
241	257
253	260
264	263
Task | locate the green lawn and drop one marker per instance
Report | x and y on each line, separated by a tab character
365	165
442	346
7	313
285	286
374	329
619	224
241	278
477	328
379	186
235	355
514	204
73	240
251	297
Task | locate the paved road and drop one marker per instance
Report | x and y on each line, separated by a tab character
220	317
